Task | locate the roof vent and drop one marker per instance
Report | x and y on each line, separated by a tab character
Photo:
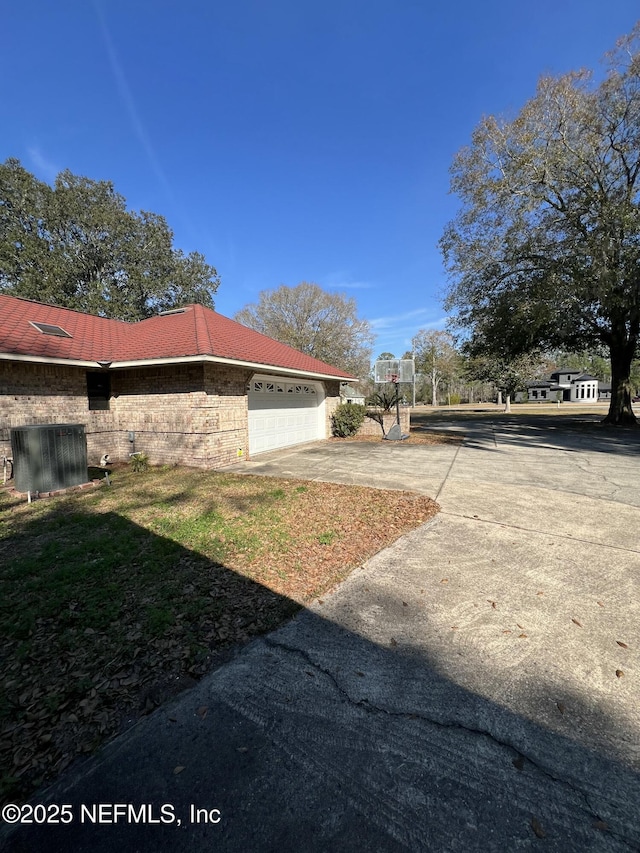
173	311
48	329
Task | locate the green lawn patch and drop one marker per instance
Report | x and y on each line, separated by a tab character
116	599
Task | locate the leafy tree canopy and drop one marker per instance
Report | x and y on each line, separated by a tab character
545	252
508	375
75	244
323	325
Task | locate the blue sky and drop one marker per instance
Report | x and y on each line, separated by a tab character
288	140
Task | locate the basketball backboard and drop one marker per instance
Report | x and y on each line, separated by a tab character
393	370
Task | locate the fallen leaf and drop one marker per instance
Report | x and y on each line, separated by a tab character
600	604
393	641
492	603
202	711
521	635
507	631
619	673
518	763
560	707
444	580
520	626
242	749
178	769
622	645
540	592
454	627
537	828
575	622
404	604
600	824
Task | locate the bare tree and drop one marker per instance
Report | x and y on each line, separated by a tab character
321	324
435	357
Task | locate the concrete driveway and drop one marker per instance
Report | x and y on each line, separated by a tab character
475	686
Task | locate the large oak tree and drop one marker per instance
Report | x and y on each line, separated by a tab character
545	251
76	244
324	325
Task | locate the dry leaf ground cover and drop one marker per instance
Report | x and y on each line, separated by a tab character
114	599
415	437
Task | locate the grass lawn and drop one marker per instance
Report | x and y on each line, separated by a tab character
116	598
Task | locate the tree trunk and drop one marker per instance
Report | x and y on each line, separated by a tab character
620	411
434	388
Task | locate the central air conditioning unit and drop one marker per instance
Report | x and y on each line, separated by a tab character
47	457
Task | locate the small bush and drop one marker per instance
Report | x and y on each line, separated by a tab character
139	462
454	399
347	419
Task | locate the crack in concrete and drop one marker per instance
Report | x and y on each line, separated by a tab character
538	532
443	724
449	470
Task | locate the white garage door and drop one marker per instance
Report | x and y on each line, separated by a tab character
283	413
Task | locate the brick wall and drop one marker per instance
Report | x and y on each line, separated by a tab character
226	413
44	394
372	427
193	414
331	403
156	405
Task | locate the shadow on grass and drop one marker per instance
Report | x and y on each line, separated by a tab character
102	621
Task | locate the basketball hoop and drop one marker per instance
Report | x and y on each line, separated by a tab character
395	371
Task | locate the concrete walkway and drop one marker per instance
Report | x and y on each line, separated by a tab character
474	687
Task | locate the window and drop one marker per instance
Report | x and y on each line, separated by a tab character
98	390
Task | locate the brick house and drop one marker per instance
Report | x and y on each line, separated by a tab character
187	386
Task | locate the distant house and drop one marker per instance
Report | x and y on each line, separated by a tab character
187	386
349	394
604	391
570	386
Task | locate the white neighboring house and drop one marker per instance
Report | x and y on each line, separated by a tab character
571	386
349	394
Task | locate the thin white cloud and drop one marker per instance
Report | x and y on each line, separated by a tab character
343	281
394	333
45	167
129	101
395	319
352	285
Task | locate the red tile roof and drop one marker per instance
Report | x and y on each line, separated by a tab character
196	331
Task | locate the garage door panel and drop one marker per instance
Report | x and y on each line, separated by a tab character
283	414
